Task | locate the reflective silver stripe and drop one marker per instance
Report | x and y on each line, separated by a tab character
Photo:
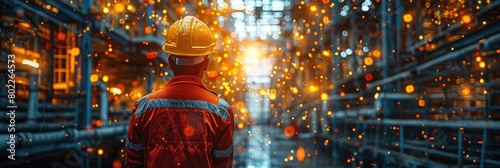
141	106
223	108
223	153
133	146
220	109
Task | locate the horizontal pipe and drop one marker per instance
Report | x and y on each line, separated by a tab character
20	116
41	107
363	111
471	124
405	158
25	139
446	57
52	19
35	155
38	126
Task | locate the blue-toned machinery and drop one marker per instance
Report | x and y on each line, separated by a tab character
314	83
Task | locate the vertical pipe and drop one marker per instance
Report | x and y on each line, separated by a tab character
323	124
50	64
335	154
387	46
401	139
86	86
365	137
33	96
314	120
483	147
386	37
459	152
377	137
86	72
353	59
399	27
336	74
104	104
149	80
426	143
149	12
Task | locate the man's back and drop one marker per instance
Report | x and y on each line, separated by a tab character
182	125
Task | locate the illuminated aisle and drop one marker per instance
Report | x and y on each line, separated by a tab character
313	83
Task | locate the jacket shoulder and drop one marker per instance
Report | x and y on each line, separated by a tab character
223	108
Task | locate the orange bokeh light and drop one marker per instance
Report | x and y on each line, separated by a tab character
289	131
301	154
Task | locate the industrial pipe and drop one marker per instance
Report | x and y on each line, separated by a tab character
33	95
64	115
29	139
363	111
40	126
103	107
465	50
491	125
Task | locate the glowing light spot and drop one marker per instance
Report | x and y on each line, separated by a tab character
100	151
466	91
289	131
313	8
410	88
188	131
324	96
407	18
466	19
301	154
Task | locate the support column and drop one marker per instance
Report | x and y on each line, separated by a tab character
33	95
483	147
387	56
86	69
314	121
459	152
104	104
83	116
336	68
401	139
50	64
149	80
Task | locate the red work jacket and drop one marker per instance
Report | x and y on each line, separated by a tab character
182	125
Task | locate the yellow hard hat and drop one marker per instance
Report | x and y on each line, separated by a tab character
189	36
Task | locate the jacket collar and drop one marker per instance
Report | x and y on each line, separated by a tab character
188	79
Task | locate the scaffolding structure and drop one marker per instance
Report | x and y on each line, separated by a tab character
409	83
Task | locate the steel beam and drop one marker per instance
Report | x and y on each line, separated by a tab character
104	104
483	148
83	117
383	151
459	150
33	96
470	124
453	55
40	126
27	139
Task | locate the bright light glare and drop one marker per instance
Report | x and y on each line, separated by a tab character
31	63
116	91
253	52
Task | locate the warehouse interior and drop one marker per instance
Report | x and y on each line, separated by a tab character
313	83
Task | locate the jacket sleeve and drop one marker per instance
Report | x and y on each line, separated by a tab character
133	144
223	152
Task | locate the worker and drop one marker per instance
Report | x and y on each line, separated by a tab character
184	124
